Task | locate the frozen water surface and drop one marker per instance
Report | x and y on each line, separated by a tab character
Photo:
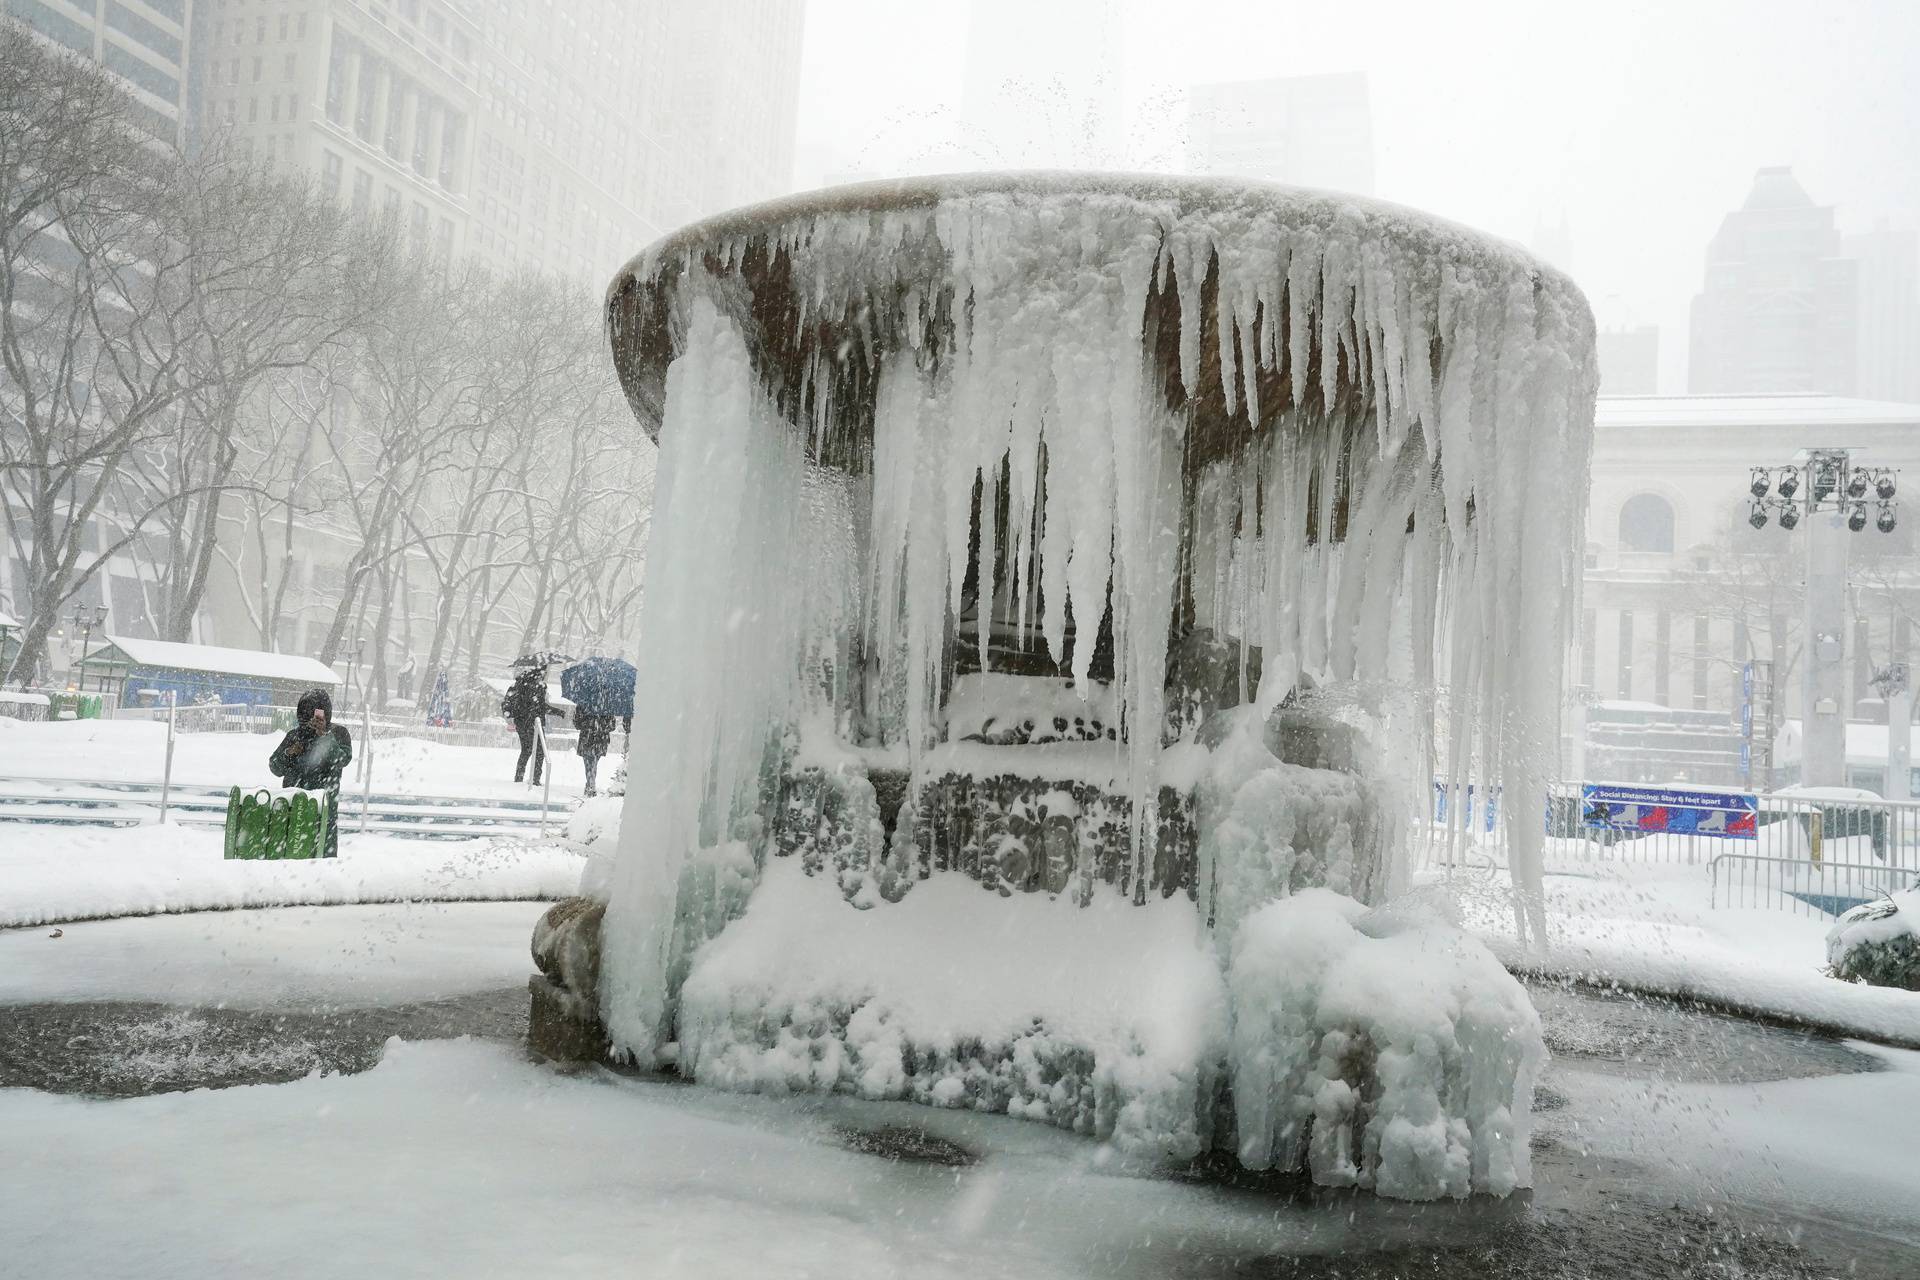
1642	1169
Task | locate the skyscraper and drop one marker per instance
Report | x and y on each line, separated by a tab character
560	137
1311	131
143	42
1778	312
1889	321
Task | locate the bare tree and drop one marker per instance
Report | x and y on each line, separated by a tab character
90	280
277	275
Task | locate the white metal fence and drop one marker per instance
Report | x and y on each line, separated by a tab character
1814	854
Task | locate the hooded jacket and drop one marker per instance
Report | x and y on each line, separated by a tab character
308	758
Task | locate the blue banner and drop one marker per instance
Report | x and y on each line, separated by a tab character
1730	814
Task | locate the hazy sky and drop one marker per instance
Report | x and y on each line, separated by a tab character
1640	122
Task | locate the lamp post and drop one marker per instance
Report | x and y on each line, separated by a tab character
85	619
1835	498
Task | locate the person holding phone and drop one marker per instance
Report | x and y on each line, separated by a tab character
314	755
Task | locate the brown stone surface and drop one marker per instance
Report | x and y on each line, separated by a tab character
562	1025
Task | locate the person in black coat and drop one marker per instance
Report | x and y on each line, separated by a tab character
596	731
525	704
314	755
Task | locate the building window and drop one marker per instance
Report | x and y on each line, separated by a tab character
143	33
330	171
253	110
362	192
256	70
1646	523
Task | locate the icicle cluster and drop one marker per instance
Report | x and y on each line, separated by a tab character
1350	435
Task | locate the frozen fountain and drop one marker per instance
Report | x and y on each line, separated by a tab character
1064	593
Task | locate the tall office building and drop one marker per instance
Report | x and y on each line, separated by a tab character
1889	316
143	42
1779	310
1311	131
377	105
556	137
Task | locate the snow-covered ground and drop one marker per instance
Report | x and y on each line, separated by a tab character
1651	925
461	1157
135	751
50	874
333	957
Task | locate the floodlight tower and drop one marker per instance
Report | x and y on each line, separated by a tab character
1836	499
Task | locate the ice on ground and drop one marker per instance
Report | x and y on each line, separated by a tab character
50	874
1107	1019
1381	1049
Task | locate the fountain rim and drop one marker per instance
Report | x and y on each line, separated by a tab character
1187	192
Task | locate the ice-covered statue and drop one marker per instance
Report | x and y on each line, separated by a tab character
1065	592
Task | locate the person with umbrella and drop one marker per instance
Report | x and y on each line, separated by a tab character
601	690
525	704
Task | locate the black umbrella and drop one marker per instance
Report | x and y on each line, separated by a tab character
540	658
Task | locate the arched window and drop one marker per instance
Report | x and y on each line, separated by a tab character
1646	523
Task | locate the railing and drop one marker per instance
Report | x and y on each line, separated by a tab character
64	704
1800	885
1809	828
215	717
94	802
1807	853
240	717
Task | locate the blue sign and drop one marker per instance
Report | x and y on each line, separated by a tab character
1734	815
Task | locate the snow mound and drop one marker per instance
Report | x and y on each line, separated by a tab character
595	824
1379	1049
1108	1020
1879	942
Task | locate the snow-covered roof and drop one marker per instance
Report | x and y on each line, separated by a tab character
1866	742
233	662
1781	409
8	620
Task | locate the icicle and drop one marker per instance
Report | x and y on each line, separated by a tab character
1383	329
